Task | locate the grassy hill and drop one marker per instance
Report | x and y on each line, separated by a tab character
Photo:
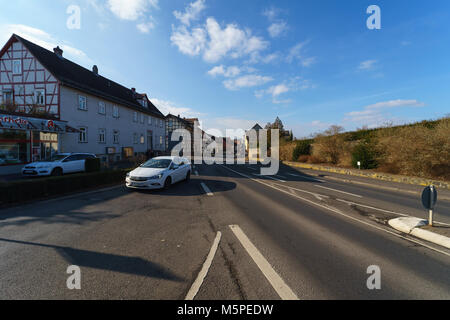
420	149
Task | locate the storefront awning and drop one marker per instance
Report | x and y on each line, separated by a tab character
34	124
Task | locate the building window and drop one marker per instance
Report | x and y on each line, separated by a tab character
101	135
142	118
135	117
7	97
142	139
116	112
135	138
39	97
116	136
160	140
82	103
149	120
83	137
101	108
160	123
17	66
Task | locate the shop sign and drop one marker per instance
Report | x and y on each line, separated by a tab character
33	124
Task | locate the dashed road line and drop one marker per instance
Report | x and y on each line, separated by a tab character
271	275
335	190
207	190
202	275
270	177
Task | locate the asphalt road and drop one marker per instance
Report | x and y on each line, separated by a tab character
294	235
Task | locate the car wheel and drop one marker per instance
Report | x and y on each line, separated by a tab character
188	176
167	183
57	172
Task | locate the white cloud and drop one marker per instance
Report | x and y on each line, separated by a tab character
188	42
215	42
277	28
230	123
296	53
191	12
43	39
271	13
131	9
229	72
295	84
145	27
167	107
246	81
367	65
373	114
275	91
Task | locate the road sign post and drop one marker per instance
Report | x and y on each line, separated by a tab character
429	200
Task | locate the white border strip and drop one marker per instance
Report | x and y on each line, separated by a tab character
204	272
207	190
275	280
335	190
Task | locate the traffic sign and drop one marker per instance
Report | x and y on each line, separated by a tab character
429	197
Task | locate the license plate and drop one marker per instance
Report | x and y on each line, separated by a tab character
28	172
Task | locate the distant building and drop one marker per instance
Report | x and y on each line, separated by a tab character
49	104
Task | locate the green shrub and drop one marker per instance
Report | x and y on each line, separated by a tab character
92	165
365	154
303	148
26	190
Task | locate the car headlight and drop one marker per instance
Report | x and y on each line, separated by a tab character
159	176
128	175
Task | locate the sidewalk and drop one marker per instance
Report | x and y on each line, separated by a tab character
419	228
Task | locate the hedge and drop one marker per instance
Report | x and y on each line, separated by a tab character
26	190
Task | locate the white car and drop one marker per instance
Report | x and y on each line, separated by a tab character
159	173
58	165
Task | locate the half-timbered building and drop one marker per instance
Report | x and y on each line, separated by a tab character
49	104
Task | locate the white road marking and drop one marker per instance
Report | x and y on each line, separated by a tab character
307	178
351	194
369	207
304	191
202	275
344	215
270	177
271	275
207	190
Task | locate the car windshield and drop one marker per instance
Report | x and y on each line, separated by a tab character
157	163
55	158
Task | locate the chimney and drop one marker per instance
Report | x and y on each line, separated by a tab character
95	70
58	51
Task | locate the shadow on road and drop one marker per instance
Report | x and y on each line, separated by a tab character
109	262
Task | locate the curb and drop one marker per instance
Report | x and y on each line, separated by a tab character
372	175
411	226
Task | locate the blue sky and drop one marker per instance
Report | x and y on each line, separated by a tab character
233	63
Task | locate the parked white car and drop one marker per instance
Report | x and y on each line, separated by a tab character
58	165
159	173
